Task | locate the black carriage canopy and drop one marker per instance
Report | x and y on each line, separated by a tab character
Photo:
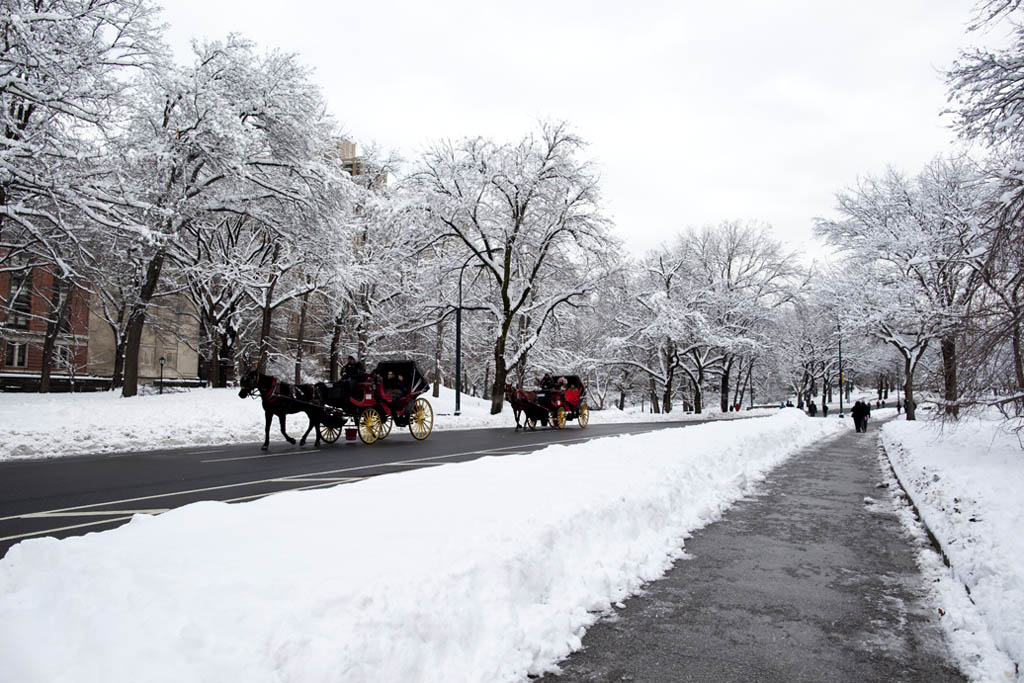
401	375
571	381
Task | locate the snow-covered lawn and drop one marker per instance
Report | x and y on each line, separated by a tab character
48	425
482	571
967	483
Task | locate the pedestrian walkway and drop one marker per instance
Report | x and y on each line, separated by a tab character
813	580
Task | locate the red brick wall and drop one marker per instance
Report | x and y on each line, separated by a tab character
42	286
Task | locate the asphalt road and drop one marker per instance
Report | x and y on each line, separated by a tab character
79	494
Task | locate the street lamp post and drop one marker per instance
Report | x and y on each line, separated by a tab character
458	345
840	329
162	361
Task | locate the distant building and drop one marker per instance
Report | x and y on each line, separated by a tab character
169	324
84	349
362	171
27	295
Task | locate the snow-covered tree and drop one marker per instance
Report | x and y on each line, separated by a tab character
528	213
64	69
910	242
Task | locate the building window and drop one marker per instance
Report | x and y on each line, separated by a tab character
16	355
63	358
21	302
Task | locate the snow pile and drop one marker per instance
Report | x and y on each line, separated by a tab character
966	483
49	425
483	571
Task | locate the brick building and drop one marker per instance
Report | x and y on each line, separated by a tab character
84	349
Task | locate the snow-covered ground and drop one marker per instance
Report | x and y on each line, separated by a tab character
489	570
49	425
967	483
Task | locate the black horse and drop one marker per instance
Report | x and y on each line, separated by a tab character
280	399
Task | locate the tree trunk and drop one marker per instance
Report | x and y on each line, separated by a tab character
60	303
213	373
438	346
908	390
1018	359
136	322
698	397
300	337
666	399
498	386
724	391
652	387
335	353
117	375
227	356
949	389
267	318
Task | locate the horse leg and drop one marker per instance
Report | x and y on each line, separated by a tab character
312	423
289	439
266	432
515	413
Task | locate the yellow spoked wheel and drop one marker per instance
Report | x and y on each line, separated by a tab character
584	415
329	434
369	425
559	421
385	426
531	424
421	419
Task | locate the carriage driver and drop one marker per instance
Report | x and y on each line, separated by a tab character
353	369
350	374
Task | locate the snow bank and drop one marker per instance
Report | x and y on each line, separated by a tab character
482	571
966	483
50	425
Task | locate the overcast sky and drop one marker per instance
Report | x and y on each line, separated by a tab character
695	112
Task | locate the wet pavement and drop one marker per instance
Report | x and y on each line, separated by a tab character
813	580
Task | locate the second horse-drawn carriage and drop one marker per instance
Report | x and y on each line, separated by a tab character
557	400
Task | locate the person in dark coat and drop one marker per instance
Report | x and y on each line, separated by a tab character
353	369
860	414
824	410
812	409
351	372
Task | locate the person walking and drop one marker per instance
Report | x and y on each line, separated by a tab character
812	409
860	413
824	410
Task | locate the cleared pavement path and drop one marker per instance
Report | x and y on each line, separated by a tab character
813	580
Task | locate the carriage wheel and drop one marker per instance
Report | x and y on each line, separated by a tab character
559	419
329	433
531	423
421	419
369	425
584	416
385	426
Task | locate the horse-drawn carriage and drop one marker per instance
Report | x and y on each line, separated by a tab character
371	401
555	402
390	395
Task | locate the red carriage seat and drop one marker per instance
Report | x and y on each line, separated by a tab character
572	396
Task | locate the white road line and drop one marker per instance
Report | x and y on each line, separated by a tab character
305	478
94	513
63	528
257	457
